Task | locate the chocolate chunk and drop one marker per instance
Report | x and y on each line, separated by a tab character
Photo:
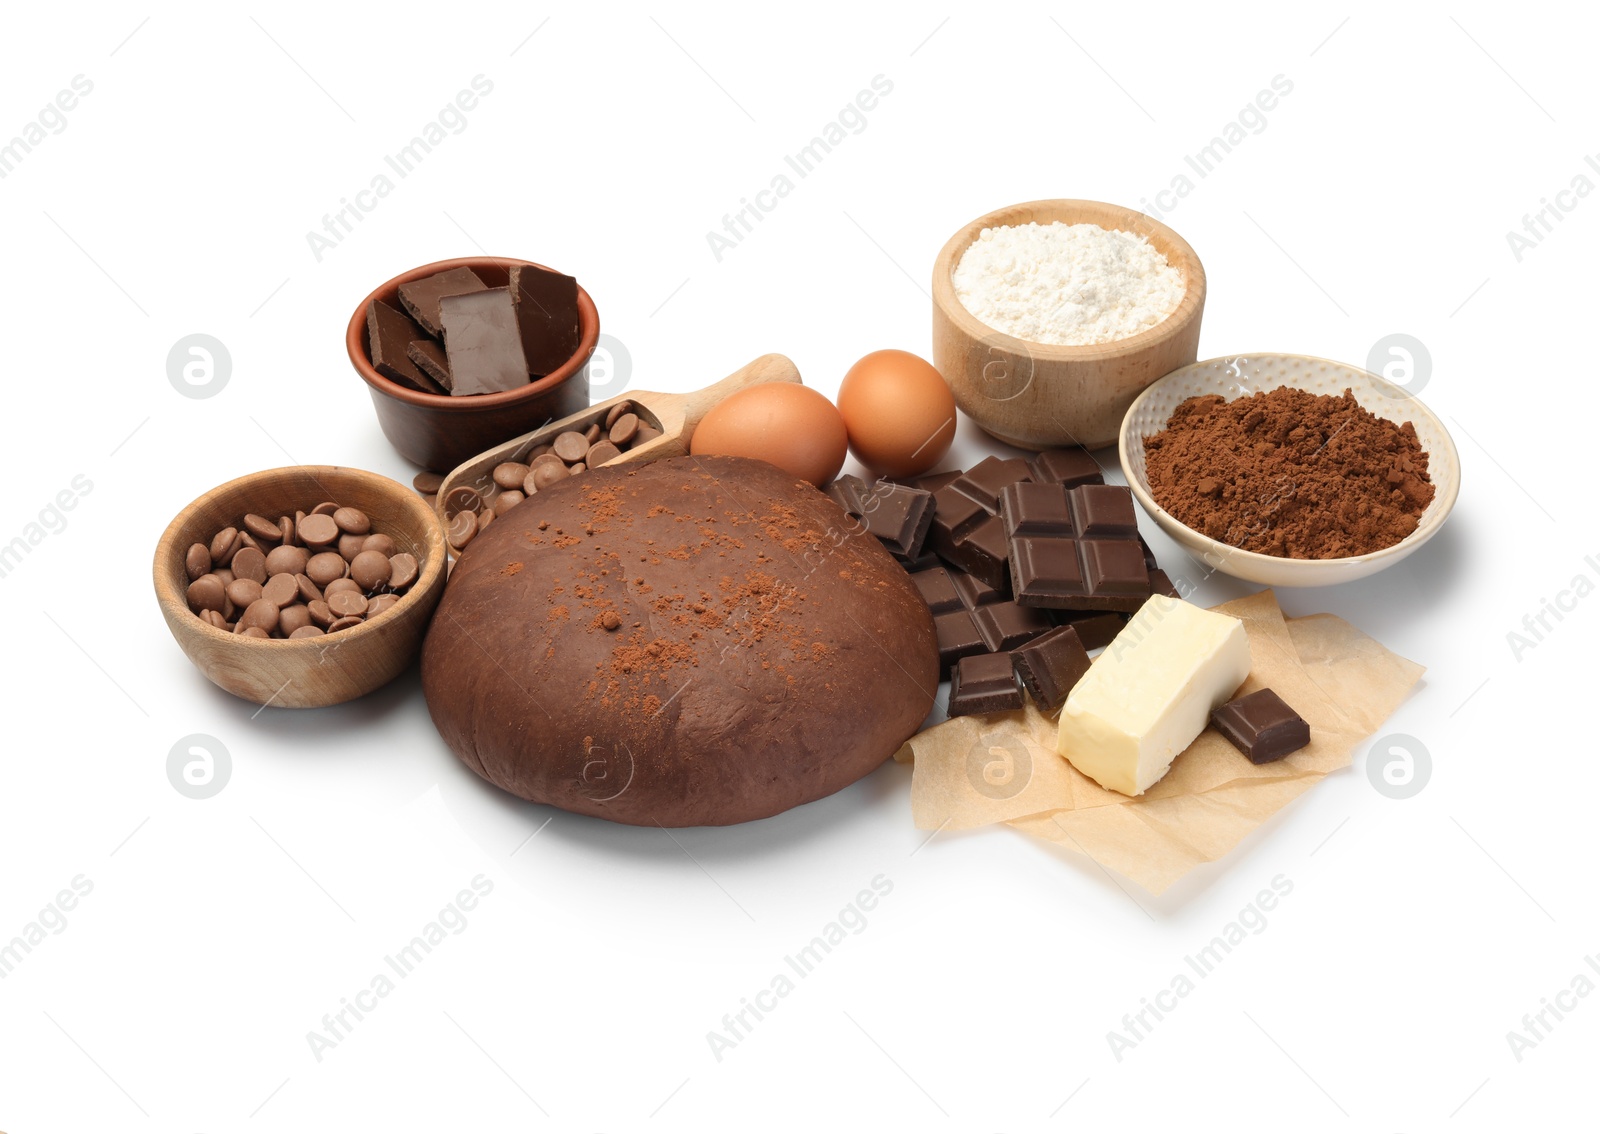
1094	630
898	516
974	591
958	637
429	357
1067	467
482	343
389	332
421	297
1050	665
547	315
930	482
1034	509
984	683
1005	625
847	491
966	530
1261	726
937	590
921	563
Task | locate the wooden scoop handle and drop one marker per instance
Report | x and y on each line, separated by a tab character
767	368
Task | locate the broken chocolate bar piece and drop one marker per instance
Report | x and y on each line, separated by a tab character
1050	665
1004	625
847	491
547	315
429	357
1066	467
930	482
984	683
1261	726
1094	630
957	636
936	589
421	297
389	332
898	516
482	343
1079	552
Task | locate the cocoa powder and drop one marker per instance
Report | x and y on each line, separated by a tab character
1290	473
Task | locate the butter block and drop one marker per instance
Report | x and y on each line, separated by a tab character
1151	692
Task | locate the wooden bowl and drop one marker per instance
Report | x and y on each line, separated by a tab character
304	673
1039	396
438	431
1248	374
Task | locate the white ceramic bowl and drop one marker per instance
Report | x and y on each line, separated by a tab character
1242	375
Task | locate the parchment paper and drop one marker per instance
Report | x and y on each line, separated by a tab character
1003	768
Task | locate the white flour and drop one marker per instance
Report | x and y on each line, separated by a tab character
1067	284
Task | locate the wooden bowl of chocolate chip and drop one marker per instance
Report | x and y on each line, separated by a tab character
301	587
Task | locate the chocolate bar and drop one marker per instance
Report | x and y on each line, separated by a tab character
1262	726
547	316
1077	549
429	357
389	333
482	343
421	297
966	529
1094	630
984	683
1050	665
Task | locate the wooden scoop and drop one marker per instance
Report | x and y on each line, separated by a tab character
675	415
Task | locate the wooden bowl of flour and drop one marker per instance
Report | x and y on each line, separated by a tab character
1040	395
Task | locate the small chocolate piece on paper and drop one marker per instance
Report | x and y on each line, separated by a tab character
1261	726
1050	665
421	297
547	316
984	683
389	332
429	357
482	343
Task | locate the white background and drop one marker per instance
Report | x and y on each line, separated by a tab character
219	932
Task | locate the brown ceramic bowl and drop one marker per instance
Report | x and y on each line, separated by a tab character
438	431
301	673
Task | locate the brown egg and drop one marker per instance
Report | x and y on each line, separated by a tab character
899	412
782	423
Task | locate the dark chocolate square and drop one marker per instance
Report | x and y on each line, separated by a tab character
983	551
984	683
1262	726
1050	665
984	480
1034	509
429	357
847	491
958	637
1104	510
1068	467
974	591
1095	629
1005	625
1113	568
1045	571
936	589
898	516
